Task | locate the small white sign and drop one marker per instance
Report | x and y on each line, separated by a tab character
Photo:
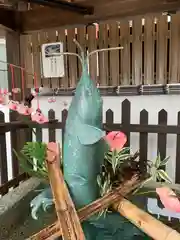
52	60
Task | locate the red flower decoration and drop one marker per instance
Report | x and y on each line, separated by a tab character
16	90
3	100
51	100
39	117
169	199
13	105
116	140
24	110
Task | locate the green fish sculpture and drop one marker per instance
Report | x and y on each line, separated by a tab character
83	155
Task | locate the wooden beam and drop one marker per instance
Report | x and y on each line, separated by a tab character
44	18
9	18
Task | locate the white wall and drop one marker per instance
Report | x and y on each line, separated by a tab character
153	104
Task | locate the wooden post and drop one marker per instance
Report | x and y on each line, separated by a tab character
68	219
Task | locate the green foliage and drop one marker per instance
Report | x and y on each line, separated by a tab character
118	166
121	166
32	159
156	169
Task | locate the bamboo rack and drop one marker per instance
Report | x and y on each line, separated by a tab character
69	223
148	224
93	208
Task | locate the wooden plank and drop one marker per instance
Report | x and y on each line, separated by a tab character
13	183
162	31
174	76
64	115
8	18
143	142
149	50
26	59
62	38
125	53
143	145
126	118
162	120
52	131
42	40
72	59
14	145
13	57
37	19
3	155
103	56
114	40
177	169
137	51
92	45
52	38
81	38
36	58
109	118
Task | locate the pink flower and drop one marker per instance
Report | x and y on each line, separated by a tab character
2	100
16	90
169	199
116	140
5	91
39	117
51	100
13	105
24	110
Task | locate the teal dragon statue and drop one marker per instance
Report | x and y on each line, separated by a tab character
83	155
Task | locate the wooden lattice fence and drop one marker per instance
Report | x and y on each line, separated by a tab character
150	56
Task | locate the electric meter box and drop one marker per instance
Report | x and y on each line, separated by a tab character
52	60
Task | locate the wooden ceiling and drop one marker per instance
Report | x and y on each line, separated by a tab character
39	18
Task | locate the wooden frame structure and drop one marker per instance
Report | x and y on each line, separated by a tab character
156	46
45	17
23	20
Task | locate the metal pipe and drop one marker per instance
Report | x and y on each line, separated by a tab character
74	7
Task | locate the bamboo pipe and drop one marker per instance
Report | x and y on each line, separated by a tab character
93	208
68	219
148	224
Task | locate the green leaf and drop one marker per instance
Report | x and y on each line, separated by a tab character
163	175
158	160
164	162
114	161
30	152
99	180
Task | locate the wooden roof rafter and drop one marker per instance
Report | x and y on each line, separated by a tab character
45	17
103	10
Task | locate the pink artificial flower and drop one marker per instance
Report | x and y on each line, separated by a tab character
2	100
16	90
116	140
39	117
169	199
24	110
13	105
5	91
51	100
